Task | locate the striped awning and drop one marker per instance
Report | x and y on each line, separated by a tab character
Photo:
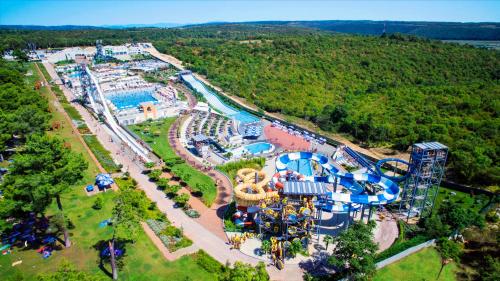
304	188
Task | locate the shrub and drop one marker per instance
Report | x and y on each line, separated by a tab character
208	263
192	213
182	199
172	231
162	183
154	175
97	204
172	190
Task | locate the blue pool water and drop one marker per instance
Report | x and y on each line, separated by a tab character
259	147
245	117
302	166
75	75
131	99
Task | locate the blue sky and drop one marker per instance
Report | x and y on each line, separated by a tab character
94	12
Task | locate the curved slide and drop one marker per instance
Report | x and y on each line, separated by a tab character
119	131
348	180
241	191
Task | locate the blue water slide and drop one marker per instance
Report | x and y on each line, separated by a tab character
348	180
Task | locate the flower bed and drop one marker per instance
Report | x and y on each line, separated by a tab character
169	235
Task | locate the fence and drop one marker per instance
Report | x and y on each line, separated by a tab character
405	253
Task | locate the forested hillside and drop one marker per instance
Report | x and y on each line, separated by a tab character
393	90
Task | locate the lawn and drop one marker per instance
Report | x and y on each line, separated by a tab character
476	202
423	265
156	135
143	260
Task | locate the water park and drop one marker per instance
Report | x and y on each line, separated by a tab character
280	212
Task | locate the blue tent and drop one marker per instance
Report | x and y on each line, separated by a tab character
103	180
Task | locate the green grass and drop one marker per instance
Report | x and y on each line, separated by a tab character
231	168
476	202
143	260
423	265
102	155
156	135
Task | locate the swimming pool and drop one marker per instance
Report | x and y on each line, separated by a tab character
259	147
131	99
302	166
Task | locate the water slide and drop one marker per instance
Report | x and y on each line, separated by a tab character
212	99
241	191
348	180
110	119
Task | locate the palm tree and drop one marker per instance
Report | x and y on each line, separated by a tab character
327	239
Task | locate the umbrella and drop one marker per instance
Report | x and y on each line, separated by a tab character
103	180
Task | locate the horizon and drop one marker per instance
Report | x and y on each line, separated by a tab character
148	13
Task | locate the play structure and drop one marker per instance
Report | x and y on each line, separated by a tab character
384	190
253	189
288	206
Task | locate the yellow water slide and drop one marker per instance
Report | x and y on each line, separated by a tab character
251	191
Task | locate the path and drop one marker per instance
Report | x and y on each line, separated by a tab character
211	217
201	237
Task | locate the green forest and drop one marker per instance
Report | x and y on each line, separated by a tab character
390	90
394	90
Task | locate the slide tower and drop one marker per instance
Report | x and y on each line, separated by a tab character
427	167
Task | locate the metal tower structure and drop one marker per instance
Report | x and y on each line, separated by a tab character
426	169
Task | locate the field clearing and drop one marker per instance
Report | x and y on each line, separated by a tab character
423	265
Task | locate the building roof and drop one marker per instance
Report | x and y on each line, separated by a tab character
431	145
304	188
200	138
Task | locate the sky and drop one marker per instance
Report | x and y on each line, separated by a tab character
103	12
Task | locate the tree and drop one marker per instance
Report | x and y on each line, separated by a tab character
181	199
355	250
449	250
265	247
491	269
68	272
435	228
328	239
20	55
245	272
458	218
130	207
50	165
149	165
295	247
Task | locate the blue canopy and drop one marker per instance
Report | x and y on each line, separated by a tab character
103	180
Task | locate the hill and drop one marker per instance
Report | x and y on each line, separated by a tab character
393	90
431	30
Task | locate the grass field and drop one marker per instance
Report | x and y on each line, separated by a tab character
143	260
476	202
156	135
423	265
